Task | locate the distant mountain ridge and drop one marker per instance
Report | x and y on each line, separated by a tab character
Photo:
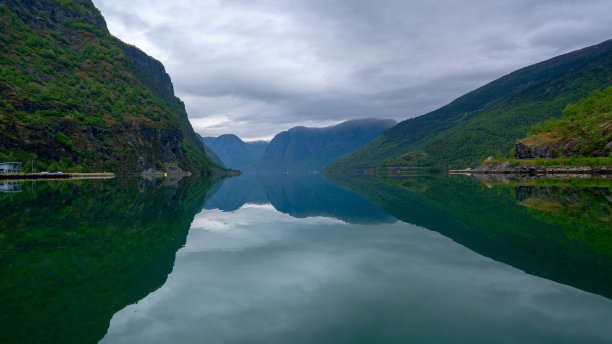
489	119
233	152
298	149
311	149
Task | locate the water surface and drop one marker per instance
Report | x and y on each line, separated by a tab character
74	253
303	259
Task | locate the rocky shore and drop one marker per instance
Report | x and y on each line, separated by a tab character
505	168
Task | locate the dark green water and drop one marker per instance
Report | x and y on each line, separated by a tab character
306	259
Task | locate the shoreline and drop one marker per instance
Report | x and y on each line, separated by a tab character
504	168
55	176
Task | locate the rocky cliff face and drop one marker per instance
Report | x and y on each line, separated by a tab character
152	74
584	129
149	72
74	97
550	145
55	13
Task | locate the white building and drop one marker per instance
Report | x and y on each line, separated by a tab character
10	186
10	167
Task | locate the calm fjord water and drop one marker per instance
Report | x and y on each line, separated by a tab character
283	259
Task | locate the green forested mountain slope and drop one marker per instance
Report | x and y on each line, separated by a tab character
489	119
584	130
73	97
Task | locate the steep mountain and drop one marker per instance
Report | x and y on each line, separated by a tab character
73	97
210	154
233	152
257	148
311	149
489	119
584	130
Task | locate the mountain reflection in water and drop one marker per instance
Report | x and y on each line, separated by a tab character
74	253
253	272
303	259
569	242
299	195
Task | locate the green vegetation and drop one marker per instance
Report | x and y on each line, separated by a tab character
31	163
588	124
68	90
560	233
584	117
77	252
576	183
571	161
584	213
490	119
570	182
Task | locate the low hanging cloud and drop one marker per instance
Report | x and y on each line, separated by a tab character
258	67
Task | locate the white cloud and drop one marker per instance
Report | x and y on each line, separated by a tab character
262	66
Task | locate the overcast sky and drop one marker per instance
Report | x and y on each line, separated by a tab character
258	67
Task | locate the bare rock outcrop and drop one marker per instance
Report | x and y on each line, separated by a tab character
546	146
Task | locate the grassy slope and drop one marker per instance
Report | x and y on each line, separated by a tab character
71	99
489	119
588	123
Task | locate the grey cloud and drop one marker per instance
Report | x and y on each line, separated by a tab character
255	68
